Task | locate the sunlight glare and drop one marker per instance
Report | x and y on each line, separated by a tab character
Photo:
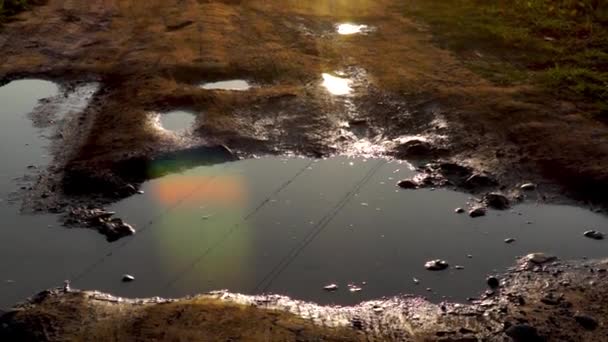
336	85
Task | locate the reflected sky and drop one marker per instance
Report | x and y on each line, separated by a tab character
235	85
336	85
348	28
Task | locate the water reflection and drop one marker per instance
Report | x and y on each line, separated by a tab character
336	85
34	253
348	29
292	226
176	121
234	85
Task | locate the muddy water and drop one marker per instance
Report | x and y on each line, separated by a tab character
289	226
292	226
34	253
177	121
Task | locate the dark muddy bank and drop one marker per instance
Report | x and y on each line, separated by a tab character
540	299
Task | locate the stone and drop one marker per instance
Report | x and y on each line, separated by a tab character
523	333
436	265
496	200
528	187
407	184
539	258
477	212
586	321
331	288
493	282
125	229
594	234
509	240
127	278
458	267
459	210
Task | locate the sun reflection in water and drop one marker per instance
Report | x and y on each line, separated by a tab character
337	85
347	28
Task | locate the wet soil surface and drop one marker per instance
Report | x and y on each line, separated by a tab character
540	299
154	57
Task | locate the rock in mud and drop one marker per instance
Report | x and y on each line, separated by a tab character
101	220
331	288
459	210
115	229
493	282
407	184
586	321
477	212
523	333
127	278
496	200
436	265
594	234
539	258
509	240
528	187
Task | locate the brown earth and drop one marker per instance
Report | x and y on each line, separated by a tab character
542	301
150	56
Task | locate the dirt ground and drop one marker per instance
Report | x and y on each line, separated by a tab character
538	300
151	57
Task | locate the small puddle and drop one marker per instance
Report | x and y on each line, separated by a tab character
336	85
234	85
293	226
177	121
349	28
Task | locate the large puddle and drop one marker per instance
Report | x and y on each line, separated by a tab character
293	226
279	225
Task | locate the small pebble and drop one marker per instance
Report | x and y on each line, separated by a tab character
436	265
459	210
331	287
493	282
128	278
509	240
594	234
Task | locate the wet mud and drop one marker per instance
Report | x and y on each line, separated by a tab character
511	133
539	299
